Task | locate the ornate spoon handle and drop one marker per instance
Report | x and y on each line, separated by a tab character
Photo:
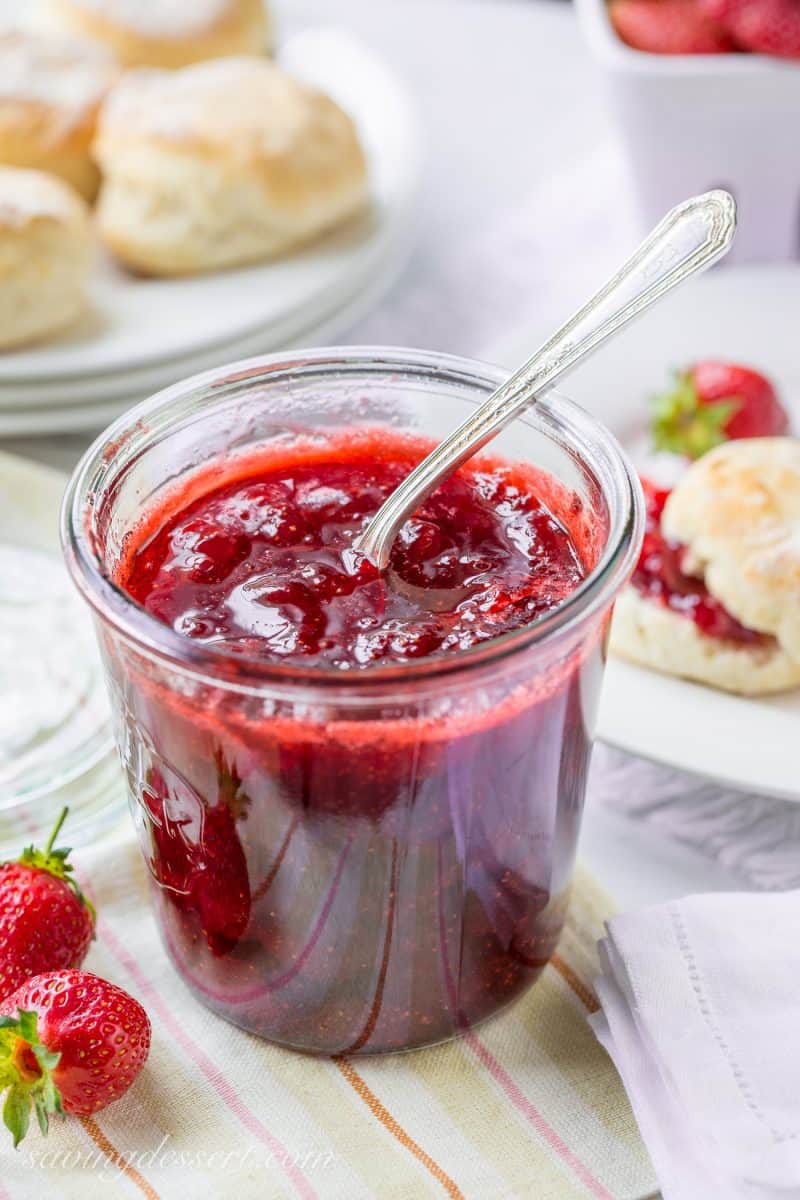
690	238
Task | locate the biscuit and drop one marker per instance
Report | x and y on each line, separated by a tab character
45	255
163	33
652	635
50	93
223	163
737	512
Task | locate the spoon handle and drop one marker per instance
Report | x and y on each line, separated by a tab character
690	238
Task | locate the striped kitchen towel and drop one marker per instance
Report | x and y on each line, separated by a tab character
527	1106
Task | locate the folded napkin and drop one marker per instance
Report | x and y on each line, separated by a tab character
701	1015
526	1105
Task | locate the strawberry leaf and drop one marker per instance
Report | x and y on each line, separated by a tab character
27	1023
29	1083
42	1115
47	1059
229	783
17	1114
683	424
54	861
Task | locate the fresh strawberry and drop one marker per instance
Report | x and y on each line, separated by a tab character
761	26
46	923
198	856
70	1042
668	27
715	402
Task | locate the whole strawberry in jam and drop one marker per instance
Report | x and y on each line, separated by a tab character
70	1042
668	27
714	402
46	922
197	854
760	26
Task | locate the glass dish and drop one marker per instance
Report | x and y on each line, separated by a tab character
56	743
384	856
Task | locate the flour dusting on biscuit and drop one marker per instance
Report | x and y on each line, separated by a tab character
220	164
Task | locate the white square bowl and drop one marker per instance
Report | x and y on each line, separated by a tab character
693	122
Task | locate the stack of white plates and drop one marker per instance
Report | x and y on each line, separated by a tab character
144	334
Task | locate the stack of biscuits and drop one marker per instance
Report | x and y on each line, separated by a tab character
167	130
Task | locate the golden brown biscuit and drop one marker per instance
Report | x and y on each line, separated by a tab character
652	635
222	163
737	511
163	33
50	93
45	255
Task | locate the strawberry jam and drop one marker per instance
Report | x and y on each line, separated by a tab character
659	576
343	859
263	565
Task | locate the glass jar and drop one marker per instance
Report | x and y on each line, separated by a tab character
368	861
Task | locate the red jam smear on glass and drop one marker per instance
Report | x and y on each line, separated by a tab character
372	879
659	576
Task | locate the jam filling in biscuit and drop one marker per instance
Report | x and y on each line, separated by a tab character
659	576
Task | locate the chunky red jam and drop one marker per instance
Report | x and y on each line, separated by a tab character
264	565
659	575
371	875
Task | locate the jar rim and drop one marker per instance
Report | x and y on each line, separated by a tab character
554	414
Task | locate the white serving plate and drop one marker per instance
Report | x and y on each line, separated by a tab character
94	405
363	291
745	314
136	322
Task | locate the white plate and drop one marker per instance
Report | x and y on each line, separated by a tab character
372	281
746	314
98	407
139	322
53	405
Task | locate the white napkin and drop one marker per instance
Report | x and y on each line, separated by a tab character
701	1015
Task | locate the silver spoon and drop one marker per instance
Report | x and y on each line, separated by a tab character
690	238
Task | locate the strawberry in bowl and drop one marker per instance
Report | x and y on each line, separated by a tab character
760	26
669	27
708	26
706	93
